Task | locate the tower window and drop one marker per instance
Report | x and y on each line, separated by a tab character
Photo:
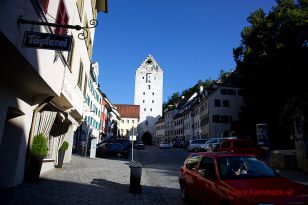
149	86
143	101
145	109
148	78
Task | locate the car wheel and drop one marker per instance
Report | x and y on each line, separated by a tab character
184	193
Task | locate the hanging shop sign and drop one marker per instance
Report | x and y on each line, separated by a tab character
47	41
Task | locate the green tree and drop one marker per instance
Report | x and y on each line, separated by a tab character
273	60
223	74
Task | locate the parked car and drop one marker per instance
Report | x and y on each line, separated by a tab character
227	178
164	145
139	145
243	146
106	141
185	144
195	145
177	143
125	142
212	143
112	150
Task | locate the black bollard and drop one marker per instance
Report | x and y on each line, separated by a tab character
135	177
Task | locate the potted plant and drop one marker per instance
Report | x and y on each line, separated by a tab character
61	154
38	153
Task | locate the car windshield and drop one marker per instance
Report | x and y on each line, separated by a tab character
243	167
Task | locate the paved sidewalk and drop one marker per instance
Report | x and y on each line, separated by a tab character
292	174
295	175
85	181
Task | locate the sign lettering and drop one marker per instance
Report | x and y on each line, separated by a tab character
47	41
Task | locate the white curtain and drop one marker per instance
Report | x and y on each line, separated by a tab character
47	119
44	125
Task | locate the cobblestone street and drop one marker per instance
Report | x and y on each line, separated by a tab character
85	181
106	181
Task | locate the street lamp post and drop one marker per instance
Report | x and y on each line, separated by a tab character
133	145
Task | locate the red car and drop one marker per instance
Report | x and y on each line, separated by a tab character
242	146
227	178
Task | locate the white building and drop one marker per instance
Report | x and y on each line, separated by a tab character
149	95
114	120
129	119
221	107
87	135
188	118
41	90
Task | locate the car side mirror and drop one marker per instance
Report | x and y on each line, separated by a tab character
277	172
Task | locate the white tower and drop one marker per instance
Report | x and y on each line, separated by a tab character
149	95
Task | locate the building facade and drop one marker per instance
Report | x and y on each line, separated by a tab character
106	109
223	108
159	131
188	117
179	126
129	120
87	135
207	113
113	131
149	95
42	90
169	123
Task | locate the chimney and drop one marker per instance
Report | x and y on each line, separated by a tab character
201	89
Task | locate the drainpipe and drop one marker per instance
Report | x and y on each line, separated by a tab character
29	147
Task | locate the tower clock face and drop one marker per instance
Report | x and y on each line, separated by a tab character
149	67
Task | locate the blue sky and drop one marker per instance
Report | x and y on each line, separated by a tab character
190	40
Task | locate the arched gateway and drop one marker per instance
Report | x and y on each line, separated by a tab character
147	138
